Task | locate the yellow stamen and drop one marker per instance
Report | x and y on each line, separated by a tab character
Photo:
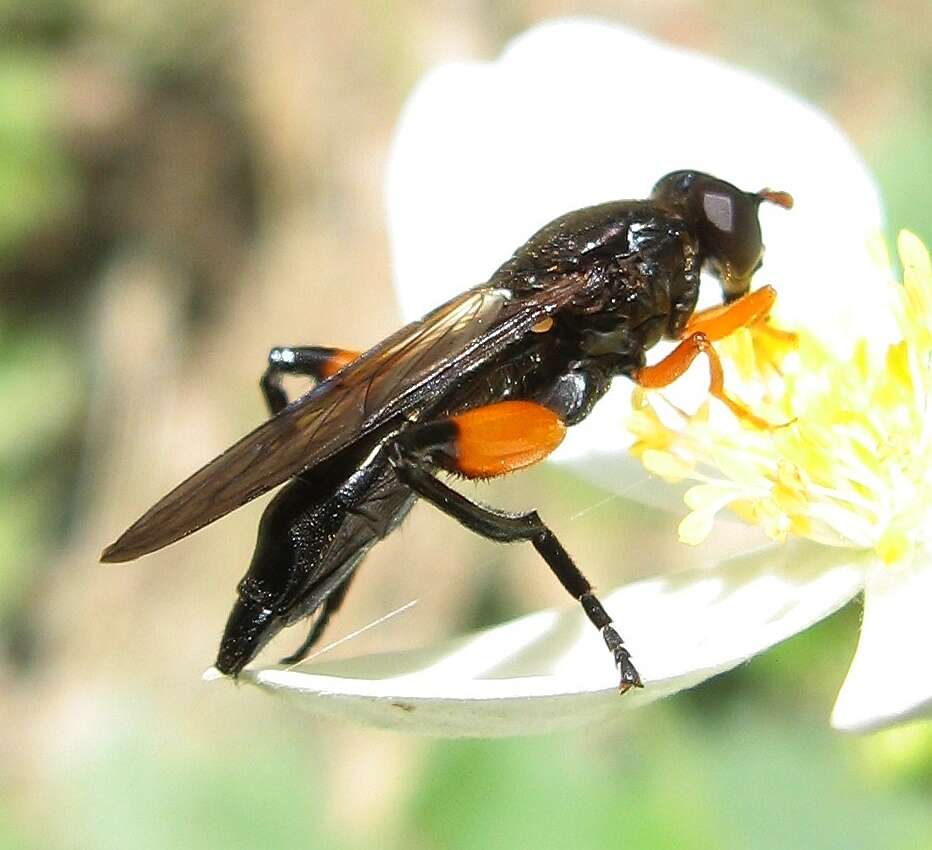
854	468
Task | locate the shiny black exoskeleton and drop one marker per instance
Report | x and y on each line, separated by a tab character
576	306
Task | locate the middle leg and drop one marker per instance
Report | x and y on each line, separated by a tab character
675	364
312	361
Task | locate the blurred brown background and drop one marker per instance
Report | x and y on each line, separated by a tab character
184	185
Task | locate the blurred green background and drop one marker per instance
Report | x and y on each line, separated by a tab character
185	184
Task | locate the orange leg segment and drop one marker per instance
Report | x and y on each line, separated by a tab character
676	363
337	359
503	437
719	322
312	361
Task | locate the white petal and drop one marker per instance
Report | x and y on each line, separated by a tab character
890	679
576	112
598	449
551	670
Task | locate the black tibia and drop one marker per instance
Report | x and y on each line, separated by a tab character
409	453
312	537
331	605
306	360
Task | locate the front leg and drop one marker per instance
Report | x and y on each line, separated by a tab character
723	320
490	441
312	361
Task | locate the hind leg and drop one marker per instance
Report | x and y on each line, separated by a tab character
311	361
469	444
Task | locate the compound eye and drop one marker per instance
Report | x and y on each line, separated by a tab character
731	230
719	209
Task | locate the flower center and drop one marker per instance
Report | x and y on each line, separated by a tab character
853	466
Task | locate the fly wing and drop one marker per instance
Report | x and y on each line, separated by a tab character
412	366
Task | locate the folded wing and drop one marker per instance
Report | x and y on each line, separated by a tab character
409	368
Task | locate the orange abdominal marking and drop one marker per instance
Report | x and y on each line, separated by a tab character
503	437
543	325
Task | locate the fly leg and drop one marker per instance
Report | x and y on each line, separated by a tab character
331	605
458	445
723	320
750	311
672	366
312	361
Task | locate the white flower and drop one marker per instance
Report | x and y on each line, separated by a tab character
573	113
852	471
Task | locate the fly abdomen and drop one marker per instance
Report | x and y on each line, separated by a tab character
312	537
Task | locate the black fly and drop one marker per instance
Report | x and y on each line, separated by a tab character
483	385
